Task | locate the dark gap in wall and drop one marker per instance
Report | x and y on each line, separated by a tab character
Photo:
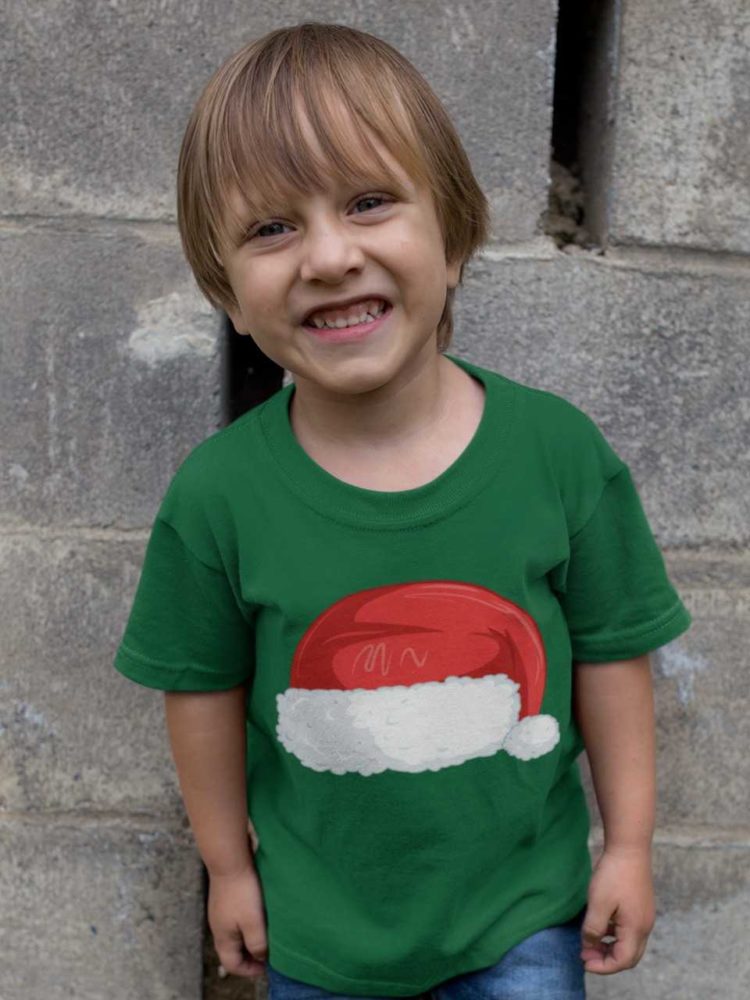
582	122
250	377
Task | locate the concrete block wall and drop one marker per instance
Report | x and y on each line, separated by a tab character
113	369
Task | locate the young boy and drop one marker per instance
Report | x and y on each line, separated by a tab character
392	604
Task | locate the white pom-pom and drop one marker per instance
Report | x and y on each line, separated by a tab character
533	736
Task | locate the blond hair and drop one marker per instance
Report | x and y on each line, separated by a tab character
244	134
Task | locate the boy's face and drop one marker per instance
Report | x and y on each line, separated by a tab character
364	242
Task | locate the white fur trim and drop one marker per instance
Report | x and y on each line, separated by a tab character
418	727
533	736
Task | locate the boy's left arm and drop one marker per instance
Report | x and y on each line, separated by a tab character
614	706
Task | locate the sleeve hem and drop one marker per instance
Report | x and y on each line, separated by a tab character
634	642
173	677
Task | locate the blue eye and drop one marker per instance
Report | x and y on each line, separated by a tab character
257	232
371	197
260	228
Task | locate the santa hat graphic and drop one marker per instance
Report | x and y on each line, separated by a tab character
416	677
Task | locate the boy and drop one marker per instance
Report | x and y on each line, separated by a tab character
418	586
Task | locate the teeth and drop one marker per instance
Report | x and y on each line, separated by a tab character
370	309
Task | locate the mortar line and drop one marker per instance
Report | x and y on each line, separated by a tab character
536	248
698	836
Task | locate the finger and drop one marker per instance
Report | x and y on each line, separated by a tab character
237	960
245	966
595	926
617	953
596	935
626	946
603	965
256	942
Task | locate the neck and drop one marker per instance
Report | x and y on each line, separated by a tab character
403	409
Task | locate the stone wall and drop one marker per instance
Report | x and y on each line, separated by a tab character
114	368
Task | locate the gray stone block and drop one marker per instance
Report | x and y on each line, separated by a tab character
701	732
702	693
74	733
98	96
110	373
96	908
681	163
653	349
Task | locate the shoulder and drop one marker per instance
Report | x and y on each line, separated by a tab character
547	414
568	442
201	495
553	419
566	426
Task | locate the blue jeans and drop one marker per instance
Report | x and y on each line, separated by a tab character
545	966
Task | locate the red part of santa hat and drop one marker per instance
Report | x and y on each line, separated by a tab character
411	633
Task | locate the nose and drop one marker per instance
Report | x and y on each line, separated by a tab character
331	250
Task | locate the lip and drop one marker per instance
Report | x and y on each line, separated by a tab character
349	333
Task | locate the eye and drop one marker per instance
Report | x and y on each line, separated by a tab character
259	230
372	197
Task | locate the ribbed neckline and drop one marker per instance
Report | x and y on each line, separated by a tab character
351	504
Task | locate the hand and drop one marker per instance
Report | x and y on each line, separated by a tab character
620	902
238	922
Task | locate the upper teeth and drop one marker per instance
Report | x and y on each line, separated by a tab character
361	312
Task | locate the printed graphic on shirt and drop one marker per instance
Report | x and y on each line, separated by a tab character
416	677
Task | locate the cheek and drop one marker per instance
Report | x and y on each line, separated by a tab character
422	253
255	297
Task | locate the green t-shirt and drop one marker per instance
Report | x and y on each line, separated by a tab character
411	761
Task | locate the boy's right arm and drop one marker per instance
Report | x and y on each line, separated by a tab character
207	736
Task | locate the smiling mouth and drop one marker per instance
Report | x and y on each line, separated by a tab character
343	333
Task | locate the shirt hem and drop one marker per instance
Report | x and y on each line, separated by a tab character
150	674
312	973
628	645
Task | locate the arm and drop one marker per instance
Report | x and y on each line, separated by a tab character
613	705
207	735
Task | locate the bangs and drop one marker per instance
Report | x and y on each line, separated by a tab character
265	155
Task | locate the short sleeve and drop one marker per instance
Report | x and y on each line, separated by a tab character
186	630
614	590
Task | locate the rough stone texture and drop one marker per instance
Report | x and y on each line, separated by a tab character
106	141
681	168
94	909
701	693
110	372
64	601
654	352
701	684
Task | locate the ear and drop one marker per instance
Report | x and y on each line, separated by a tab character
235	315
453	272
